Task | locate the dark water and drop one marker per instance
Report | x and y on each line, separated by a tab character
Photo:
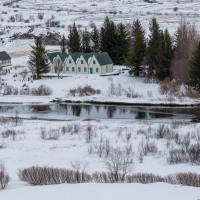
65	111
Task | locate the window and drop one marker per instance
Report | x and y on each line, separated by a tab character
85	69
67	69
79	69
73	69
70	61
94	62
81	61
97	69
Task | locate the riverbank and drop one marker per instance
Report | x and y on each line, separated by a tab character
115	90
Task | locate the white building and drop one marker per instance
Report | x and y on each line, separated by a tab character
80	63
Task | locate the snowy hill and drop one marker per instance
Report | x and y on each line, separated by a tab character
31	16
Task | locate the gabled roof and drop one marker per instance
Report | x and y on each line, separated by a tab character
52	55
4	56
75	56
103	58
63	56
87	56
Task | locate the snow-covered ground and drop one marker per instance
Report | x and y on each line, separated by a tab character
113	88
28	149
155	191
168	12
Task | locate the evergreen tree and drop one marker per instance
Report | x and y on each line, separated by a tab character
63	44
73	42
38	60
169	53
194	74
95	37
108	39
86	42
153	44
123	43
164	57
137	49
159	62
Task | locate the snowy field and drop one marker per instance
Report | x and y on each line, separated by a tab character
169	13
112	89
29	148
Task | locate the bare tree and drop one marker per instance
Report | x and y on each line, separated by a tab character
80	170
24	74
119	164
186	40
4	178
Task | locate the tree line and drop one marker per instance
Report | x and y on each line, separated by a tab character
159	56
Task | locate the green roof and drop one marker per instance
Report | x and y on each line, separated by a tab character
4	56
103	58
75	56
52	55
87	56
63	56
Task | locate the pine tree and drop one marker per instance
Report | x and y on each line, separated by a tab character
86	42
108	39
73	42
164	57
123	43
153	44
95	37
137	49
38	61
169	53
194	74
63	44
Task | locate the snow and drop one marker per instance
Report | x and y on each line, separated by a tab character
28	149
103	192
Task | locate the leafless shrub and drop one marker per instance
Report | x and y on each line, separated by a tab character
128	136
195	134
149	80
170	87
51	134
144	178
190	92
49	175
89	134
146	147
10	90
4	120
64	130
76	128
119	164
2	145
79	169
187	179
131	93
162	132
4	178
16	120
41	90
9	133
177	156
87	90
194	153
175	124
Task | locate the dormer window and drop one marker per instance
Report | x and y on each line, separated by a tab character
81	61
70	61
94	62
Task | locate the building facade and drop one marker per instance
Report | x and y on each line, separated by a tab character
80	63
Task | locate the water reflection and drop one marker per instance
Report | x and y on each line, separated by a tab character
101	111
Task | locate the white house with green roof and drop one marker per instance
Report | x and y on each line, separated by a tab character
5	62
80	63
